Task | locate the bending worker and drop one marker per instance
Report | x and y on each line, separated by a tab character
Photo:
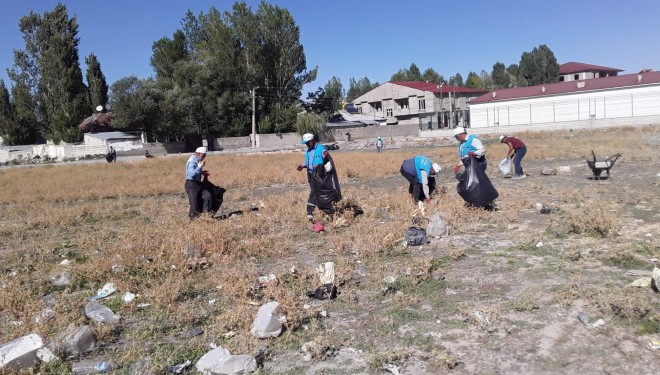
517	148
470	146
420	172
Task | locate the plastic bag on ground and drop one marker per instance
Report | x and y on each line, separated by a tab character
100	313
268	322
416	236
20	353
505	166
326	272
220	361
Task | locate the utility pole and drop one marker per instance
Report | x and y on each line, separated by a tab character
254	121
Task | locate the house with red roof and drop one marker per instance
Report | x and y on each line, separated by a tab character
613	100
575	71
429	105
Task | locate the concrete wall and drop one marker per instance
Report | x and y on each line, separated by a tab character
378	131
278	140
623	104
229	143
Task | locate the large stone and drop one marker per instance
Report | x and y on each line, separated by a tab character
75	341
20	353
437	226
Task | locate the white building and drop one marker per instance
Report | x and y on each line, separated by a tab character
428	105
624	99
575	71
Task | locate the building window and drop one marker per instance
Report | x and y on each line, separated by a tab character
561	79
389	112
576	77
402	103
422	103
359	109
376	106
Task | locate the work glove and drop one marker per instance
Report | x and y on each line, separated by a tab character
472	154
427	200
300	167
456	169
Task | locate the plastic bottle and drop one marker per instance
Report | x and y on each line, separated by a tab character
583	318
92	367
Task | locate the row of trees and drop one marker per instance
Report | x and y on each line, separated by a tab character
205	77
48	92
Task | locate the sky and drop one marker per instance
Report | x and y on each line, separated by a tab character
374	38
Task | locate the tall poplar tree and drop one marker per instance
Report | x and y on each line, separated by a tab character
98	88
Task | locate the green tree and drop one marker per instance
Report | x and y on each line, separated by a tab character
166	54
137	104
431	76
512	70
474	81
456	79
501	78
98	88
319	102
538	66
311	123
334	91
49	69
359	87
17	115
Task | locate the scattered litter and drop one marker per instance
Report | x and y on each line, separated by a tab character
648	235
63	279
505	165
266	280
20	353
100	313
483	320
221	361
104	292
539	244
583	318
545	209
318	227
143	305
386	215
327	291
212	301
229	334
180	368
653	260
392	368
45	315
65	262
326	272
268	322
655	284
653	345
46	356
92	367
128	297
598	323
416	236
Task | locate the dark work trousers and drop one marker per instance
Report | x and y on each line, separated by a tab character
194	191
520	153
481	161
311	201
415	187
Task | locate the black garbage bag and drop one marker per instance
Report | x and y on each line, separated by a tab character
416	236
475	187
326	185
326	291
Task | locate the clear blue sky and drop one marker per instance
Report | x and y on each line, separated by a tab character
375	38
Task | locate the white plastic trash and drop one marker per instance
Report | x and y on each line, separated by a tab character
220	361
20	353
505	166
326	272
268	322
107	290
100	313
128	297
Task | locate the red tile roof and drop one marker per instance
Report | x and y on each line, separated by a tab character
576	67
435	87
102	123
549	89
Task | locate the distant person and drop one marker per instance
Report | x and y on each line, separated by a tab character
379	144
470	146
420	173
111	157
321	176
193	183
147	154
517	151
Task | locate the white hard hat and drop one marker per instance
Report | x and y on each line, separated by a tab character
201	150
437	168
459	130
502	137
307	137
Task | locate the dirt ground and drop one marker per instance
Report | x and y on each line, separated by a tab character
532	295
500	294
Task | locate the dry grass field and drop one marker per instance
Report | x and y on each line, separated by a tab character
483	300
